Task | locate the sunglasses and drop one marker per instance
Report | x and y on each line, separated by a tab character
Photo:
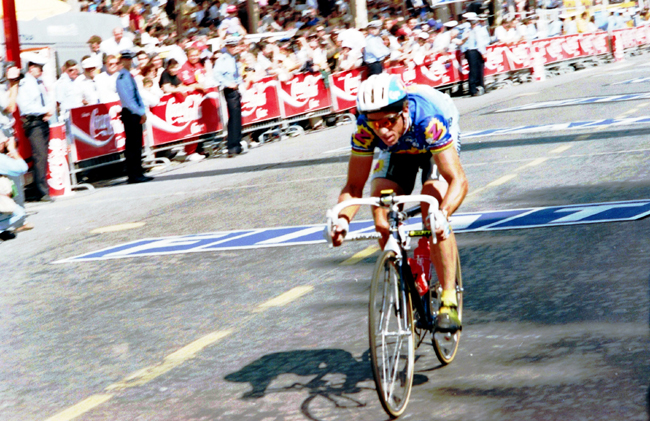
384	123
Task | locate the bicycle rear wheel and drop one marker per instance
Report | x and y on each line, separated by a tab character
445	344
390	328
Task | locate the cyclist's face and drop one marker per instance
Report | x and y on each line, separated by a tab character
388	126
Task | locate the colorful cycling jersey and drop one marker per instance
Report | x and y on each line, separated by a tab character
431	114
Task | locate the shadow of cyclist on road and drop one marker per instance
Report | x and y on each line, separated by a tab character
336	376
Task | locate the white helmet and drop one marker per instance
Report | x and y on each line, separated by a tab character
379	92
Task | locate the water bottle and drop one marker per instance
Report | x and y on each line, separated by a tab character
421	266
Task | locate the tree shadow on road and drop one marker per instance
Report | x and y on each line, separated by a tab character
336	376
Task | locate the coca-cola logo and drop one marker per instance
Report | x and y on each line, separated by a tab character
180	113
350	82
100	125
304	89
57	164
571	46
495	60
554	48
255	99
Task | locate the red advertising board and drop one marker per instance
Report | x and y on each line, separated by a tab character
303	93
344	87
96	130
179	116
519	56
495	60
260	102
594	43
439	72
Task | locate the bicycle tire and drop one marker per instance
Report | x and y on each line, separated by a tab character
392	361
445	345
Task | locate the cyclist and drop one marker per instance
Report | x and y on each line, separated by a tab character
414	128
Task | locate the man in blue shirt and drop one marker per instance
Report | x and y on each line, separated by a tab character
134	115
36	108
375	51
226	74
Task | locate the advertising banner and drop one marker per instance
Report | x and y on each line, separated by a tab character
594	43
260	102
439	72
495	60
519	56
179	116
305	92
96	130
58	169
344	86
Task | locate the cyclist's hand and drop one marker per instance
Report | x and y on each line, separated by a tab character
442	227
339	232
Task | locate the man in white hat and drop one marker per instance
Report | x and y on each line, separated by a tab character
36	108
87	86
349	57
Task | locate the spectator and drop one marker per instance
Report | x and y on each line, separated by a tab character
86	84
569	26
581	22
375	51
36	109
591	25
113	46
192	73
95	53
169	81
150	93
12	215
106	80
133	116
230	25
348	58
66	91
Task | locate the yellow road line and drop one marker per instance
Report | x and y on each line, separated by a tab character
171	361
361	255
119	227
502	180
533	163
80	408
284	299
562	148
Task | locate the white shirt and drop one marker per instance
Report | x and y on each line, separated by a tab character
107	87
67	94
110	47
88	89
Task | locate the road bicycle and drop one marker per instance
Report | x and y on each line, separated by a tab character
399	318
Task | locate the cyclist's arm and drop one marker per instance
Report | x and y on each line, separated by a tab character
358	171
448	164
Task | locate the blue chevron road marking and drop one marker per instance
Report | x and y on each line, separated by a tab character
632	81
313	234
609	122
577	101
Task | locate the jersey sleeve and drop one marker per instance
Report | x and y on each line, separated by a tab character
363	140
436	133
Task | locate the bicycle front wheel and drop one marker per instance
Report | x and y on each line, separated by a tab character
390	327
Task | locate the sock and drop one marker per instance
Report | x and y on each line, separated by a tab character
449	298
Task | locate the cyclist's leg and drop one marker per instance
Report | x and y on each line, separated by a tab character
380	215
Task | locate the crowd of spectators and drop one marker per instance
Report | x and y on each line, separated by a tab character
318	36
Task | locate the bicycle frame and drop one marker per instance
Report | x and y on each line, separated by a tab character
398	241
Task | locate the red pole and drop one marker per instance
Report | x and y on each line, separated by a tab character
11	31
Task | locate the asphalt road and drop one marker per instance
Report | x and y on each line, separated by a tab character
555	323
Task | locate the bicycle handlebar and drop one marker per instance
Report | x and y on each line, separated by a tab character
386	202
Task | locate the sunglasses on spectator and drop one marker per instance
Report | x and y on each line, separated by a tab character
384	123
112	63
